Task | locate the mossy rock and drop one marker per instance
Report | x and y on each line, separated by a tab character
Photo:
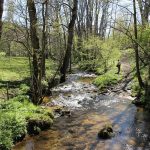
66	113
38	123
106	132
58	110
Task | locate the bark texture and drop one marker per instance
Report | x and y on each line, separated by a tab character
36	80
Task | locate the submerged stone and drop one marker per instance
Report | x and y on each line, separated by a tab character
106	132
66	113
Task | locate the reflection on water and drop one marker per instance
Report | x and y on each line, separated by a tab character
29	145
90	112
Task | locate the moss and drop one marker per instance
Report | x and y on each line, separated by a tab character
38	122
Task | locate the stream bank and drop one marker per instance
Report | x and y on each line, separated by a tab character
90	111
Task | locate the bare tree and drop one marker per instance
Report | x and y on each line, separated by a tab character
136	47
67	57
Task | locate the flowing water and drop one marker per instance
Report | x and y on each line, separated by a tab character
90	111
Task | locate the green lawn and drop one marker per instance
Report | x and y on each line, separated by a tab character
14	68
16	72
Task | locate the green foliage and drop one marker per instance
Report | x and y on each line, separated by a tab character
15	115
107	79
135	88
87	65
6	141
12	128
144	37
2	54
24	89
44	84
97	54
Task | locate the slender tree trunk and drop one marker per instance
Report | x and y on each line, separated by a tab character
36	82
44	35
136	47
67	57
97	10
104	19
1	14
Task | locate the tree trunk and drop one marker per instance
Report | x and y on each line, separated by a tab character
97	10
36	81
136	48
44	35
67	57
1	14
104	19
144	7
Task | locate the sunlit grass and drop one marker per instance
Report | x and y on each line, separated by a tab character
14	69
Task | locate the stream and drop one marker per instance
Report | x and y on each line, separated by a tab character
90	111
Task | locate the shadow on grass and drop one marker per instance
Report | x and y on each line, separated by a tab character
14	84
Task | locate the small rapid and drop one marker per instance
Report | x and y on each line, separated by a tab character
90	111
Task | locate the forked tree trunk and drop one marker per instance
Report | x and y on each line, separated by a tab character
67	57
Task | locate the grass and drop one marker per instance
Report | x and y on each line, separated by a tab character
15	72
107	79
17	68
14	68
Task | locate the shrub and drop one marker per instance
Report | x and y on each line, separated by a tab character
5	139
2	54
87	65
19	115
24	89
13	128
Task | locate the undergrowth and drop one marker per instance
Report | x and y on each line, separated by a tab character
15	117
107	79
